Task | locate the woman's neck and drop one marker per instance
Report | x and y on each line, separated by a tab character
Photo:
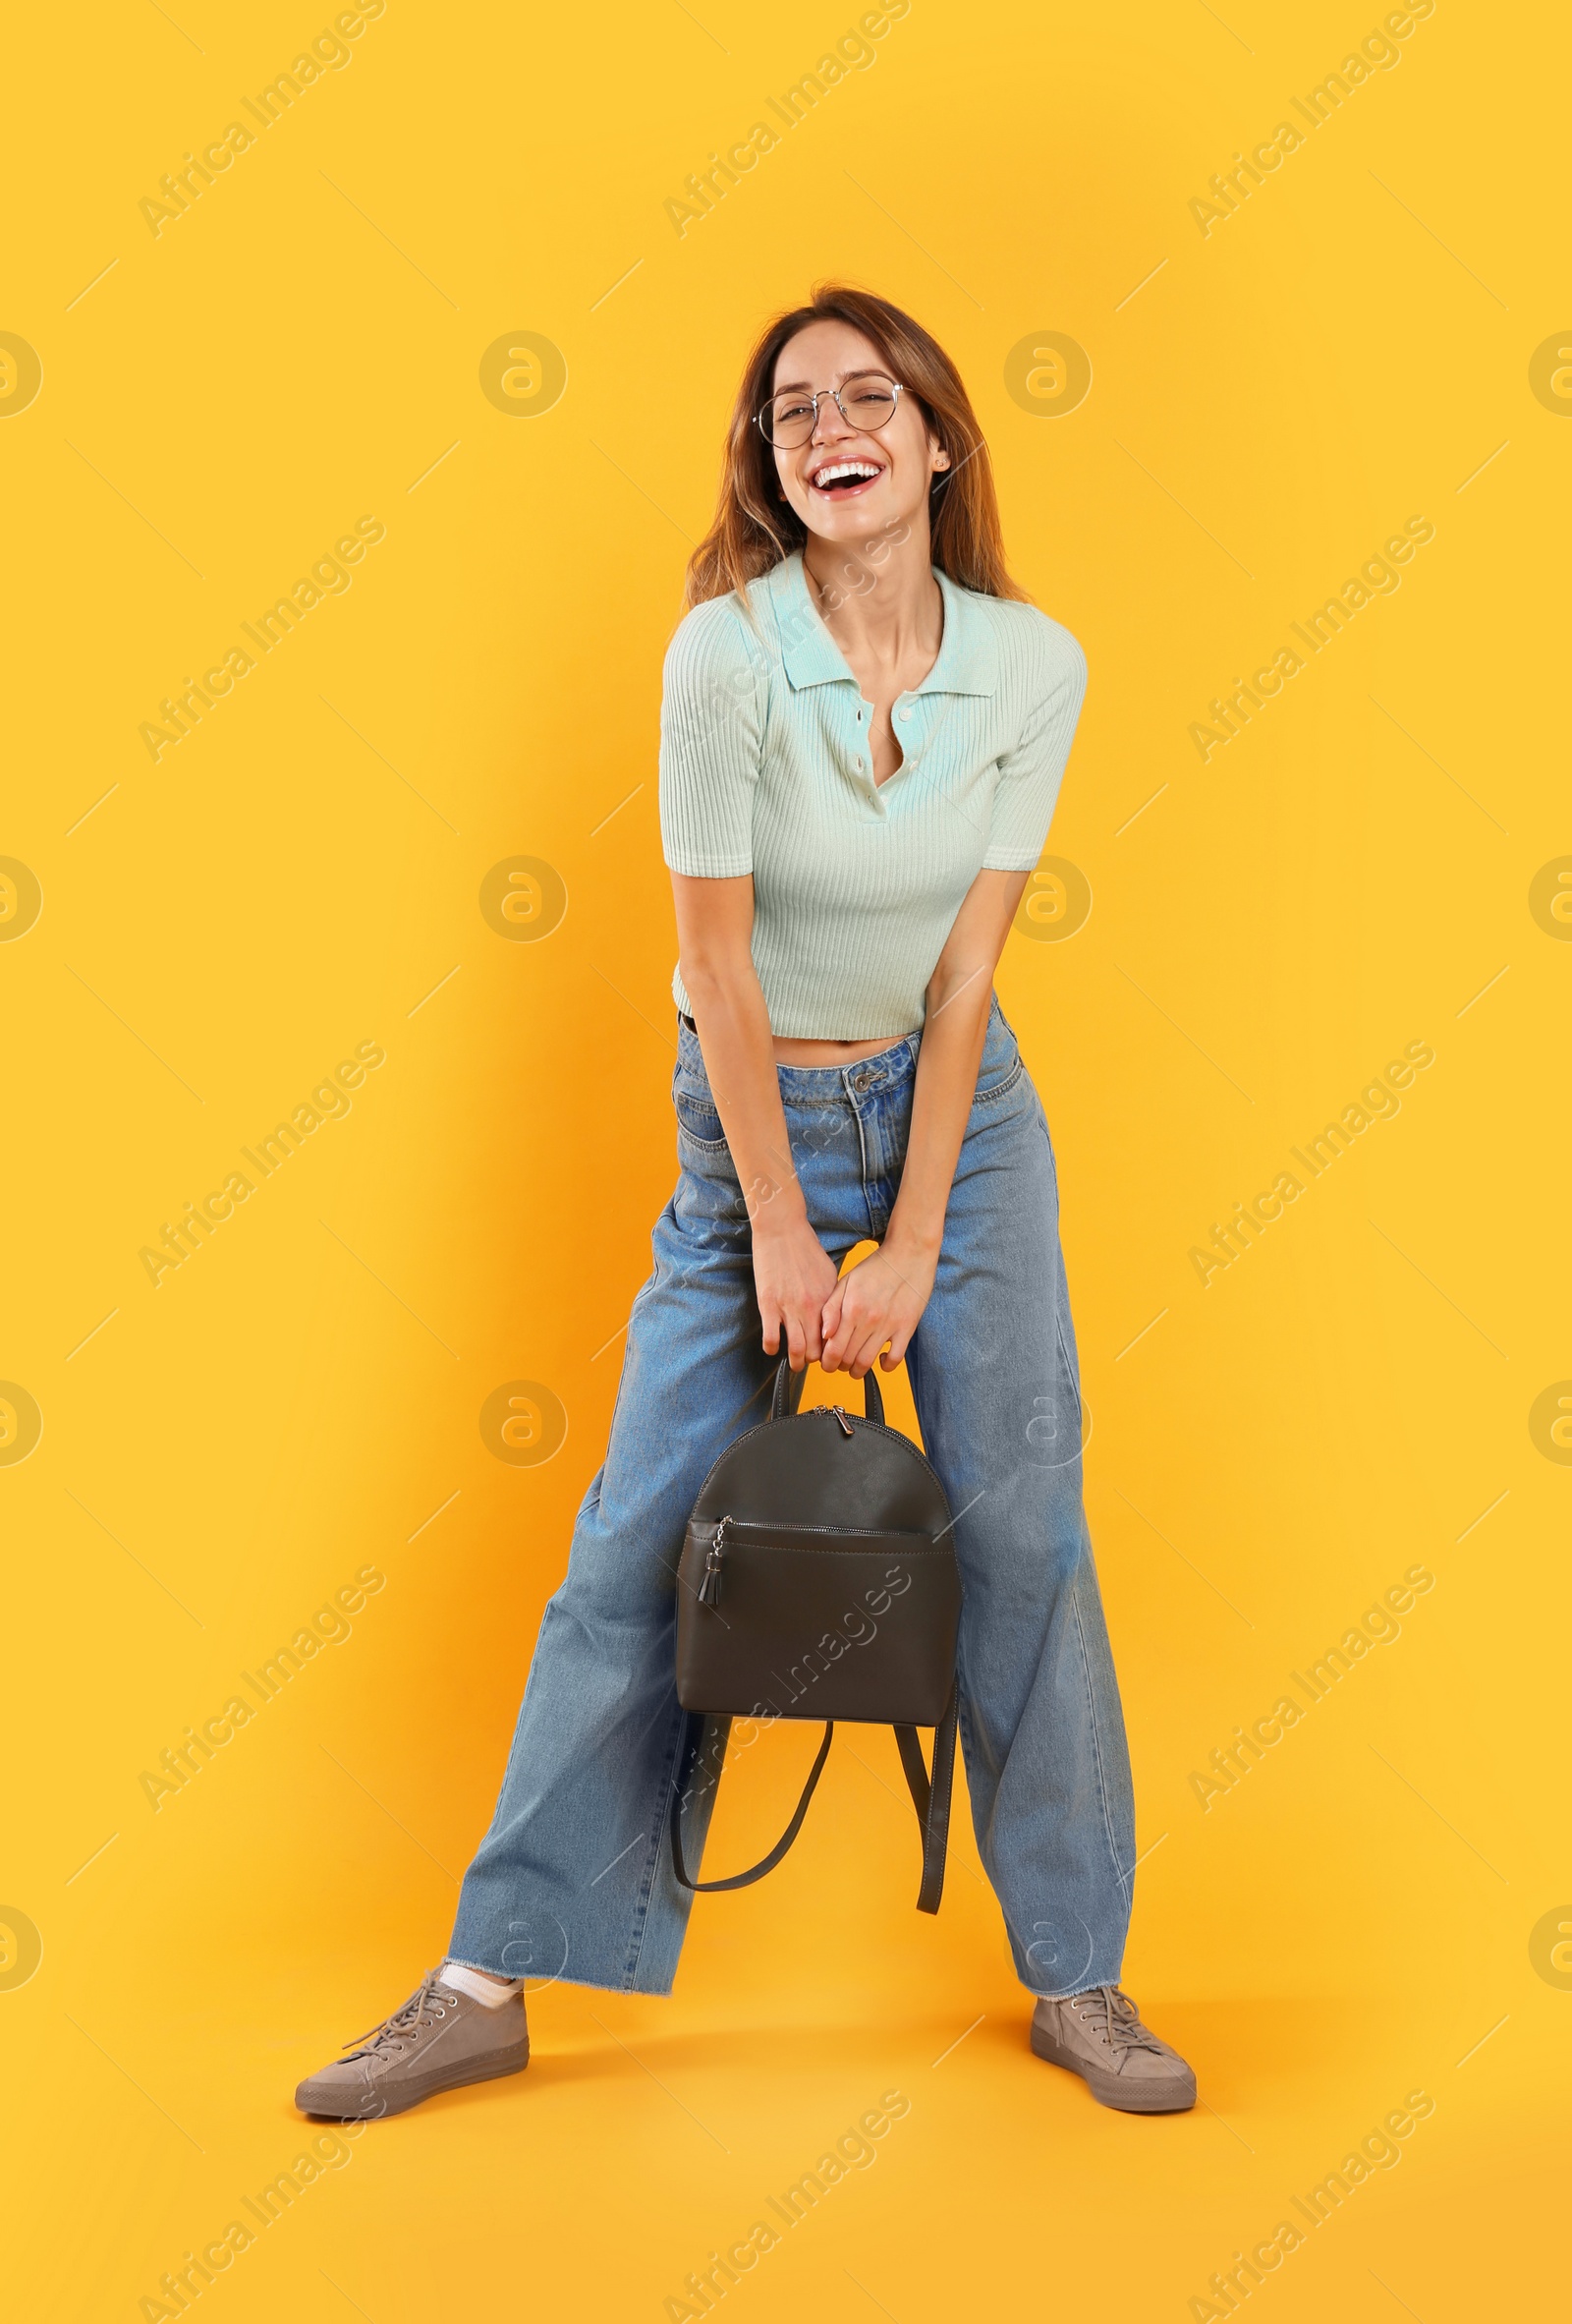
879	597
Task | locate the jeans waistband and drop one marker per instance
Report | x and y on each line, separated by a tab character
808	1085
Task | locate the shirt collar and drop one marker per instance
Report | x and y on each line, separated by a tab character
967	657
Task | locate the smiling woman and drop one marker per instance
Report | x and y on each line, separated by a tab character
758	521
856	538
863	729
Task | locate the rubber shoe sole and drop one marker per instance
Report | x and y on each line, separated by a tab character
1149	2095
415	2093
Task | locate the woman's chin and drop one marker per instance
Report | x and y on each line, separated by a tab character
859	519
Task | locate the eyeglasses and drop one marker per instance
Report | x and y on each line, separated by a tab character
788	421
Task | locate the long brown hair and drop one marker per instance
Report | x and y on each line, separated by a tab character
755	528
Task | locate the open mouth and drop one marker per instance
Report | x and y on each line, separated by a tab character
842	479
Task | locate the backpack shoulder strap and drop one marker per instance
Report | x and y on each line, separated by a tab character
739	1879
930	1797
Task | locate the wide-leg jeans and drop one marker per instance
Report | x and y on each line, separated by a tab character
574	1879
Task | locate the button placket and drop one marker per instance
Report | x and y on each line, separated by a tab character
910	741
860	765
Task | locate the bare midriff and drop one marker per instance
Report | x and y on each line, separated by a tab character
830	1052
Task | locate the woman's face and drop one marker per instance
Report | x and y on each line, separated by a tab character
847	482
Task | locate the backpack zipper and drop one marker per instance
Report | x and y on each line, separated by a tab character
710	1587
882	1426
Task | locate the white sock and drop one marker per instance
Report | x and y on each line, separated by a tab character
478	1985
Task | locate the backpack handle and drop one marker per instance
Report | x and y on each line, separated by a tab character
789	1392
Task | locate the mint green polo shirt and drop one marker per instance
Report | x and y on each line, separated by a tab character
766	768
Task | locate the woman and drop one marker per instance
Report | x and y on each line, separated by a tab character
864	730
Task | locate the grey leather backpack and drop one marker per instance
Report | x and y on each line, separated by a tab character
818	1580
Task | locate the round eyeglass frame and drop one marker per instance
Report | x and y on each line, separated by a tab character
761	416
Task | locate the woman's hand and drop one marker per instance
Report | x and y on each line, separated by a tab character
881	1300
794	1277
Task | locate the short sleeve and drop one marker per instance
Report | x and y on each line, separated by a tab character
1053	681
712	736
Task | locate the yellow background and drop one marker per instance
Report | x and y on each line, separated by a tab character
1348	350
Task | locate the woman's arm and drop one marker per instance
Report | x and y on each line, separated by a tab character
882	1298
793	1274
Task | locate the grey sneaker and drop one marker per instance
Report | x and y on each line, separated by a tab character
1099	2036
438	2041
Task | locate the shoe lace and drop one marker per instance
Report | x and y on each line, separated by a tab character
1114	2015
403	2026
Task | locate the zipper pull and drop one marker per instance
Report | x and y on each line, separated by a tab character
710	1587
839	1411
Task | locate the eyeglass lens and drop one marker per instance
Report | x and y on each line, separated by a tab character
790	418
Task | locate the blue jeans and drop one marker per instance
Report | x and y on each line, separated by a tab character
574	1878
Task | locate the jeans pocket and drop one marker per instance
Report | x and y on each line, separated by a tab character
698	1124
1008	1081
1005	1088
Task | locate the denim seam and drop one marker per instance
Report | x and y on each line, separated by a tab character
652	1283
802	1102
1119	1874
513	1744
1047	1140
641	1917
1070	1372
1020	1948
867	1191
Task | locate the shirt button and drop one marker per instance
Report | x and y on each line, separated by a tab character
906	713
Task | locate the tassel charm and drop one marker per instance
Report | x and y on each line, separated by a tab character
710	1587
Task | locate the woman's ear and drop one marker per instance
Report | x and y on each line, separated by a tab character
942	459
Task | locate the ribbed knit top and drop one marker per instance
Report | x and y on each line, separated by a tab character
766	768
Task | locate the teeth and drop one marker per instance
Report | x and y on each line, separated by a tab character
843	468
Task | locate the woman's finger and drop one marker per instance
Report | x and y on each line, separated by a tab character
840	1310
857	1325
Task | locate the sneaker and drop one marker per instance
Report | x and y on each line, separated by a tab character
438	2040
1099	2036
